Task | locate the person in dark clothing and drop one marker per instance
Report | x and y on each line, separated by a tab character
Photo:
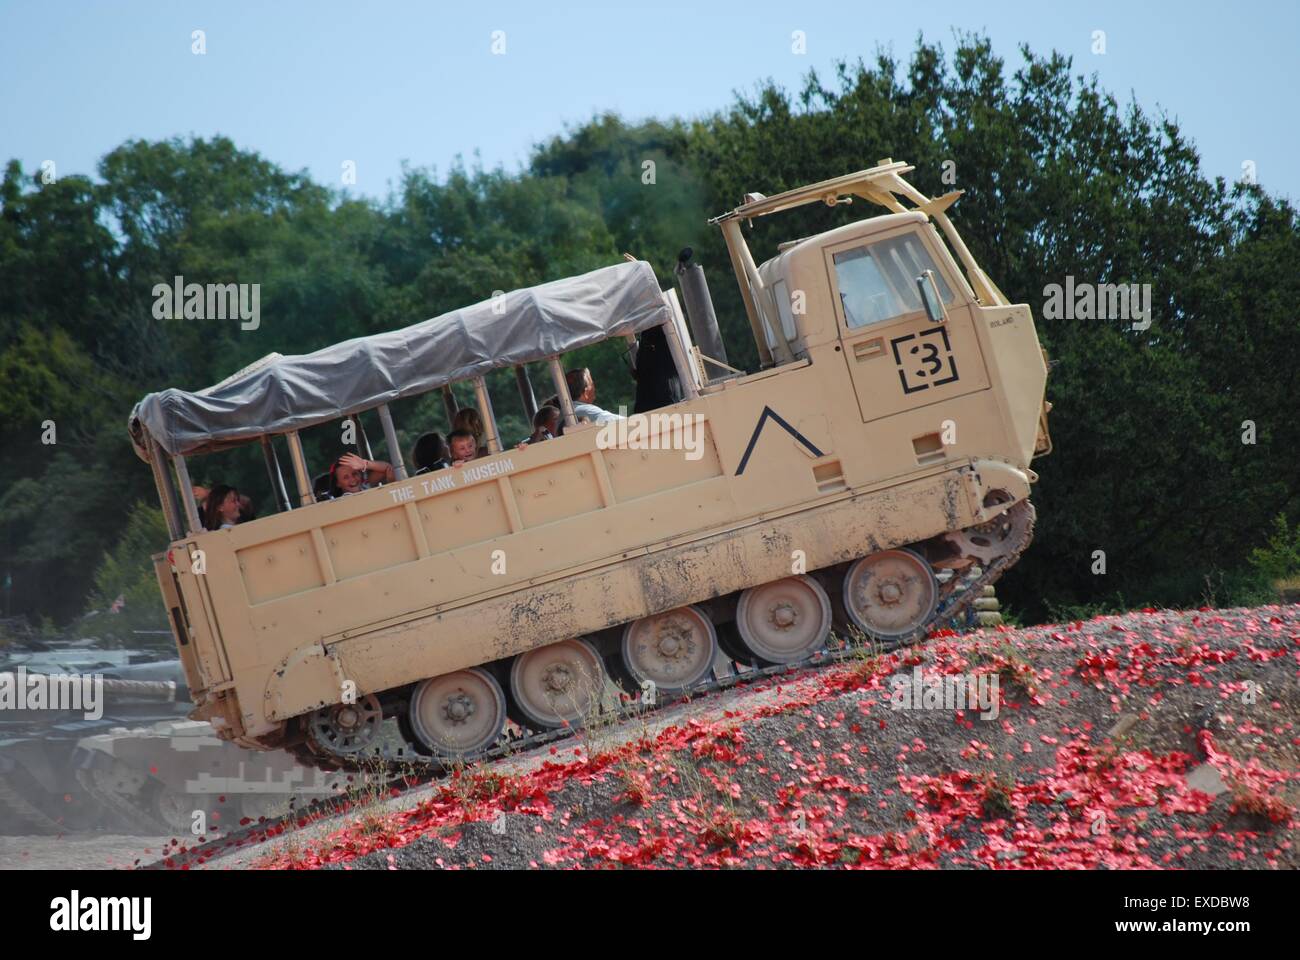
320	486
430	453
656	374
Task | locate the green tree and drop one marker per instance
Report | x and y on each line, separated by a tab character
125	605
1175	446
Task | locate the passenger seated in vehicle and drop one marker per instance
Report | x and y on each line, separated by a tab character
430	453
554	401
467	418
246	510
352	474
582	390
221	509
321	485
546	425
464	447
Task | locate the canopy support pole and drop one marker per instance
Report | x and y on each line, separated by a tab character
489	418
365	437
166	492
273	471
449	403
390	438
562	391
743	263
300	475
187	495
526	392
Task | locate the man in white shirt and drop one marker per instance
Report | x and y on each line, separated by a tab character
582	390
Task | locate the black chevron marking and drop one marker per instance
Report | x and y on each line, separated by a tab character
770	414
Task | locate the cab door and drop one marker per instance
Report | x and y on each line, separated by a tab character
898	358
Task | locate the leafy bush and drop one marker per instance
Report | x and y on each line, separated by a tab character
1279	558
126	573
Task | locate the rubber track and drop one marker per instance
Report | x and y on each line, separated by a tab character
125	807
26	811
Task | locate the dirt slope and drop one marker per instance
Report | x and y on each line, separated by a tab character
1153	739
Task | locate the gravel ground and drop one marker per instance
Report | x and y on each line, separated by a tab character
375	807
81	851
1148	740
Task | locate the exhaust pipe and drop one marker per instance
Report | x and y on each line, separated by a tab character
699	309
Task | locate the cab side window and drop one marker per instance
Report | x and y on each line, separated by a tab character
784	307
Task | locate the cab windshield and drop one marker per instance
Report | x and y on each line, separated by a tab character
878	281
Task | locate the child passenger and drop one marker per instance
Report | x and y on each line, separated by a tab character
467	418
221	508
352	474
546	424
464	447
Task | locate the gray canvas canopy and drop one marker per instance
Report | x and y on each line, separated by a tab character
279	394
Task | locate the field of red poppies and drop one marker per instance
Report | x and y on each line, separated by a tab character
1157	739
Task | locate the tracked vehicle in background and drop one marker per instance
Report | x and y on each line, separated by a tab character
151	780
40	792
874	474
141	767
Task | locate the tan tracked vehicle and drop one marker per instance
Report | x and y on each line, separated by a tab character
873	474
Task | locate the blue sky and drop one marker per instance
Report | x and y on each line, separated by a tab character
311	85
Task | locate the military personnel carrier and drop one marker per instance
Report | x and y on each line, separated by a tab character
872	477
